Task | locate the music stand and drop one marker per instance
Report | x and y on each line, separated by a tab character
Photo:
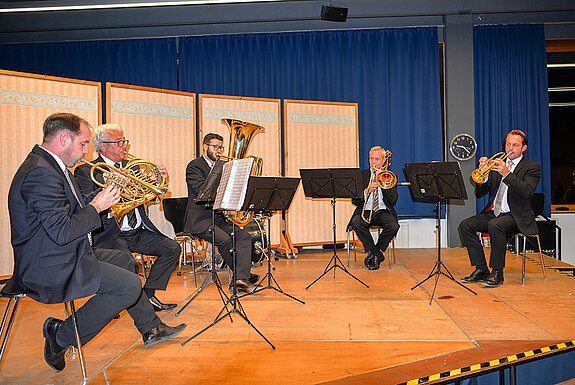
332	183
266	195
233	180
207	196
437	181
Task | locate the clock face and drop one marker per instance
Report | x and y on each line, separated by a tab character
463	147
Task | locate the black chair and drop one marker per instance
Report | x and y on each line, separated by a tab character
538	205
15	293
174	212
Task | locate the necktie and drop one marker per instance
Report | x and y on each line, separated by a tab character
132	220
375	202
501	193
80	201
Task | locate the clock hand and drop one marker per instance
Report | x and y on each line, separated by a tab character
463	147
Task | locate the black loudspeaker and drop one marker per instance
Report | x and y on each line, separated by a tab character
333	13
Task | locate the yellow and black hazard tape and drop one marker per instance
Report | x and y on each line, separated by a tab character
489	364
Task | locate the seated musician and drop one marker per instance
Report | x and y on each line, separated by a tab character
511	186
136	233
198	220
53	255
375	209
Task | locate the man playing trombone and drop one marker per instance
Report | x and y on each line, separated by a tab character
136	232
510	185
376	208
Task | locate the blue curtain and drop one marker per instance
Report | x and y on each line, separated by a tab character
393	74
143	62
511	93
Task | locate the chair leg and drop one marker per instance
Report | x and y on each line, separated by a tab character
78	342
524	256
8	326
348	231
541	257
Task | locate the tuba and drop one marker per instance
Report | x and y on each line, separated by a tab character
478	175
140	184
241	136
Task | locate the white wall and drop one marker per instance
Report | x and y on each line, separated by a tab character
567	223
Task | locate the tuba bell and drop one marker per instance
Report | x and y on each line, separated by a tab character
241	136
140	183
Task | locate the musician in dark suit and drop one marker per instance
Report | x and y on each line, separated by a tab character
198	220
54	261
510	185
137	233
380	214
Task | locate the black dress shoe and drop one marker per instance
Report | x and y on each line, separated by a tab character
243	286
369	260
375	261
478	275
254	278
495	279
161	333
54	354
159	306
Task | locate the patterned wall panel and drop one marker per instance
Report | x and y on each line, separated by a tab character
263	112
26	100
319	135
160	125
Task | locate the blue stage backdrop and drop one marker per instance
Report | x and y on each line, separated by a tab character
393	74
511	93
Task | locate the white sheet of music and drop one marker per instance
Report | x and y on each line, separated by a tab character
233	185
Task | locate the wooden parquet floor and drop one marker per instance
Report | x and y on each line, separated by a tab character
344	333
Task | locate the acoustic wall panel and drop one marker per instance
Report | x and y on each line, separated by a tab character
319	135
160	125
267	145
26	100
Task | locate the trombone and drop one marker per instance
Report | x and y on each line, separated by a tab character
479	174
383	178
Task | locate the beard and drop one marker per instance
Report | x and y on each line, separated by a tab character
212	156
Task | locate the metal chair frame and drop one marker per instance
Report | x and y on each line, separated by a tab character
15	297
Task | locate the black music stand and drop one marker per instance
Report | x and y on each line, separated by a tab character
266	195
332	183
207	196
437	181
233	300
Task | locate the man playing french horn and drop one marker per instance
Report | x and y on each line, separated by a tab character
376	208
511	186
136	232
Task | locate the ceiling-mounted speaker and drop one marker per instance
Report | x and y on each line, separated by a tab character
333	13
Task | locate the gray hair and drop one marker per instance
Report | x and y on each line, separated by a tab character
103	136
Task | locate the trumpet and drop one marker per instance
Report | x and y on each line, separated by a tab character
479	174
140	184
383	178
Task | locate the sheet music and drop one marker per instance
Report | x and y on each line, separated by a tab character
233	184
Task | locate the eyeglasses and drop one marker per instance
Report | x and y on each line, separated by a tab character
217	147
120	143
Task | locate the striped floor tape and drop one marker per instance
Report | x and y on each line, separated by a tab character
490	364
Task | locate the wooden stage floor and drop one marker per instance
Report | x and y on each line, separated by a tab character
344	333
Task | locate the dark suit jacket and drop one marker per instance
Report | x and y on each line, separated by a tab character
105	236
521	183
52	255
198	218
389	196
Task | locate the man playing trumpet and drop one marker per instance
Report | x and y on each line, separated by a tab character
136	232
510	186
375	209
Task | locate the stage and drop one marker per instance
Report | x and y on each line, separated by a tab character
344	333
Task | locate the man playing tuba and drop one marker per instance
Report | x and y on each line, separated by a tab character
198	221
375	209
136	232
